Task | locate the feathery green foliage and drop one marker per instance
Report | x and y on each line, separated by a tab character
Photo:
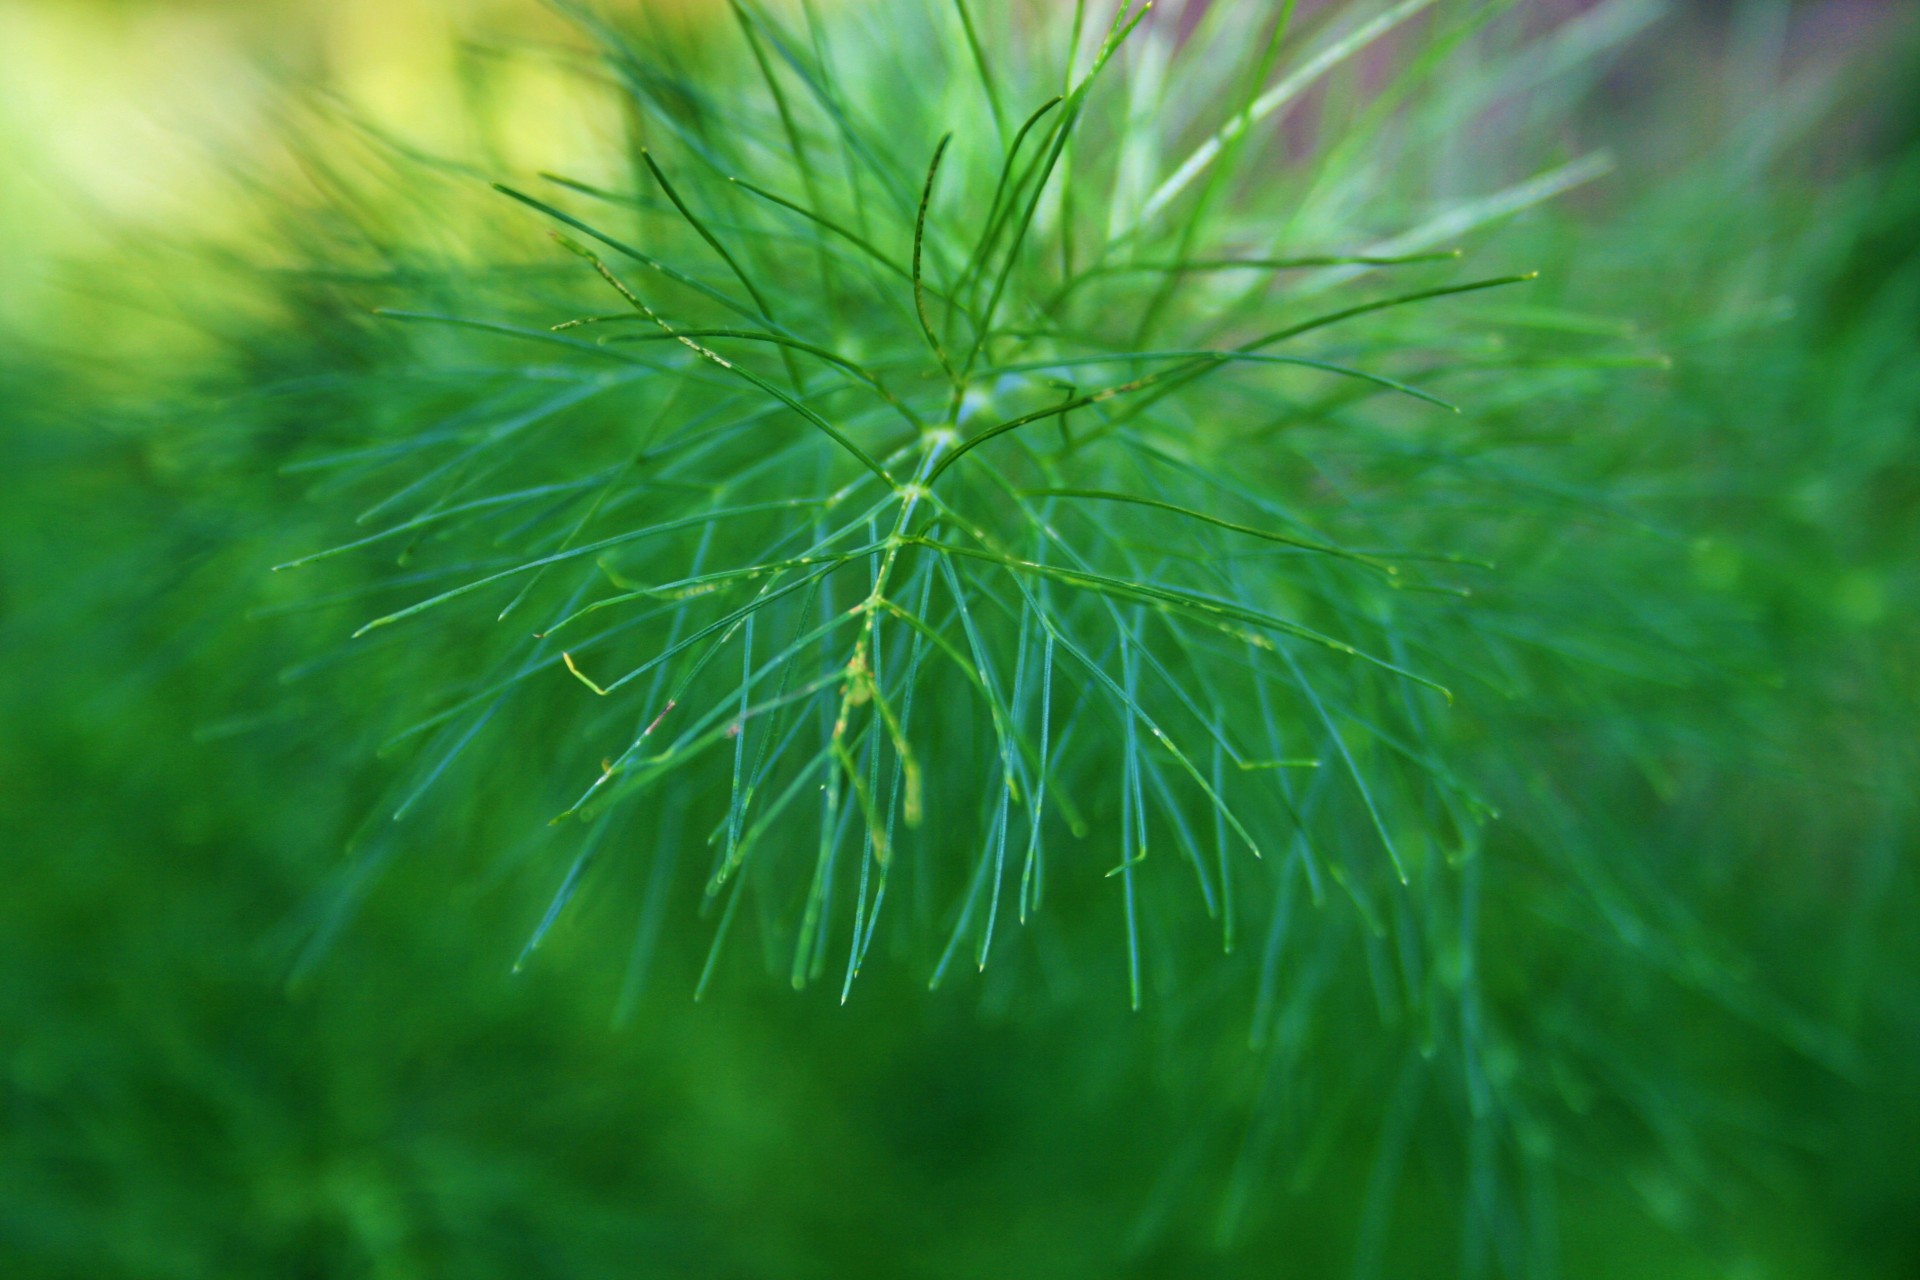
1107	514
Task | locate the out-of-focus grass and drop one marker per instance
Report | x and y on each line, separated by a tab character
171	1110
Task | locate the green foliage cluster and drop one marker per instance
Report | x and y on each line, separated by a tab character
1364	652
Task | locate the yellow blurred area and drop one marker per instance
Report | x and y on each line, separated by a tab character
131	116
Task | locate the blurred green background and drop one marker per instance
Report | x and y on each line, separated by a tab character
172	1104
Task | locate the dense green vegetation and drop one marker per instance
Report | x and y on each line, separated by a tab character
1339	586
